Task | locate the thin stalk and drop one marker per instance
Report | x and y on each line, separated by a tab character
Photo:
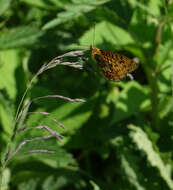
7	154
57	61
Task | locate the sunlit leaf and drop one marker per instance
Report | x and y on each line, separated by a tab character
4	5
144	144
20	37
73	11
106	32
125	107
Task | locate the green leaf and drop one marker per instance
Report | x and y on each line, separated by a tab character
29	185
165	62
54	155
140	30
47	177
170	10
91	2
166	106
131	173
172	77
106	32
48	5
54	183
164	79
9	61
6	178
164	53
6	116
155	6
20	37
62	18
110	15
4	6
95	186
125	107
152	9
72	115
73	11
145	145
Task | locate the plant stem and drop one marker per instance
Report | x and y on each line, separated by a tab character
154	76
154	100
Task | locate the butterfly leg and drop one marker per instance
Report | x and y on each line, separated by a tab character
130	76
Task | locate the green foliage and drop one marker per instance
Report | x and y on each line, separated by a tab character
4	4
20	37
121	137
144	144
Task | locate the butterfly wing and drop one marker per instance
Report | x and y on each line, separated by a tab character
108	71
116	66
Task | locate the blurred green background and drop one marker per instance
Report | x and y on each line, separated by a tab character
122	136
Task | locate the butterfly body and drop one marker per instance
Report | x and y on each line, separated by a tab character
113	66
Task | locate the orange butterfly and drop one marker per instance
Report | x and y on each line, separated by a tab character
113	66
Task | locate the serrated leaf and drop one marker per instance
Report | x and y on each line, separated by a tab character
47	177
55	183
60	158
131	173
54	155
144	144
29	185
20	37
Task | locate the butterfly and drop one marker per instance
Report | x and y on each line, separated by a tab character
113	66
